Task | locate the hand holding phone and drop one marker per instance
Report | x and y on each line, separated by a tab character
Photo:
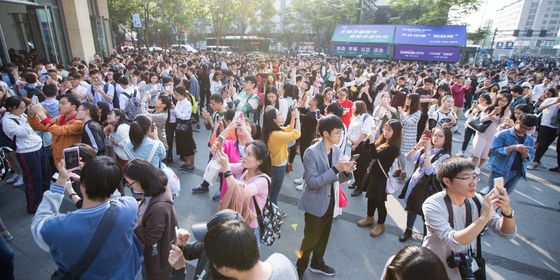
72	158
426	134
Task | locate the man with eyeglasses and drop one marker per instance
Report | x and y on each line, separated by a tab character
457	215
511	152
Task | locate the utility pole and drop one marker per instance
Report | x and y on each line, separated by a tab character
360	8
492	44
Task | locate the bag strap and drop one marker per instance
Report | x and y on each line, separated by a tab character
99	238
257	209
468	210
152	152
384	173
478	242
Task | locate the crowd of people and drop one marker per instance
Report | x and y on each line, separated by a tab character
131	115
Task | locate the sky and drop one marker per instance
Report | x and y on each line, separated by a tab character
486	10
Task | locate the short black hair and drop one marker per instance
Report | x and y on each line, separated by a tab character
416	262
12	103
517	89
151	179
93	112
232	244
251	79
217	98
335	109
529	120
329	123
72	99
50	90
452	166
100	177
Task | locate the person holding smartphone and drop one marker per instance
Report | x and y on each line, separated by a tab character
433	148
384	151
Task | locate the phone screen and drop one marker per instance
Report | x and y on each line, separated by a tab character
72	158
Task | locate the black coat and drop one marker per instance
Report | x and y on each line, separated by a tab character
375	181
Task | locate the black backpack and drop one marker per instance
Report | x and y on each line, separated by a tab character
6	141
105	89
270	220
35	91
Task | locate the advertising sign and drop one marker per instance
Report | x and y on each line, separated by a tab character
364	33
365	50
444	35
427	53
136	22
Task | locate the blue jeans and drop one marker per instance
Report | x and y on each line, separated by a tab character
6	260
509	181
278	173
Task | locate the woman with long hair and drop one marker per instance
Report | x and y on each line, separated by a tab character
484	100
29	151
483	140
116	131
185	144
384	111
366	95
254	173
358	132
144	142
160	115
152	89
430	151
410	116
102	111
277	139
272	99
384	151
216	84
156	222
328	96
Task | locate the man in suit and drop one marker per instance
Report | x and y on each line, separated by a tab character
323	167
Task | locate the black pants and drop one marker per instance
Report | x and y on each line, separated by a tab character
315	237
544	139
36	177
204	98
380	206
361	164
170	136
469	132
421	125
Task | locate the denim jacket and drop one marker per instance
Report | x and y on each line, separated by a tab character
500	160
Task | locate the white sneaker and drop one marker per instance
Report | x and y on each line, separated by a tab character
300	187
460	154
18	182
299	181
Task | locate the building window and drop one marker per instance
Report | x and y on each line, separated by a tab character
544	22
554	15
553	22
545	15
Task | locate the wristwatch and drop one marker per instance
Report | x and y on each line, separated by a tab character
510	216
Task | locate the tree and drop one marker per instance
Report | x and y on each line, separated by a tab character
429	12
478	35
121	16
221	14
179	15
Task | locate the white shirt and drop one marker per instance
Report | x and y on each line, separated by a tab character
550	112
123	99
82	92
538	91
98	96
26	139
183	109
360	124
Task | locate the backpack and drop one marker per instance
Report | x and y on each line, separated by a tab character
133	105
105	89
270	220
6	141
116	103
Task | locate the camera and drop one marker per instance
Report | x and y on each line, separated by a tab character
463	262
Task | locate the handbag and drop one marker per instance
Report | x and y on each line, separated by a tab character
477	125
392	186
99	238
183	126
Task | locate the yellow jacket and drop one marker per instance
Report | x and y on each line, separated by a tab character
278	144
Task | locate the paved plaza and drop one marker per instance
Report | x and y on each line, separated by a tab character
533	254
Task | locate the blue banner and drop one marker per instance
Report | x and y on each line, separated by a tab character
445	35
427	53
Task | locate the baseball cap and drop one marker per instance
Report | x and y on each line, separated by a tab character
526	85
199	230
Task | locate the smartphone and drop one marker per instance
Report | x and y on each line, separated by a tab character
427	134
355	157
317	114
498	183
72	158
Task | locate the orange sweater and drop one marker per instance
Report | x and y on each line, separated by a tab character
65	133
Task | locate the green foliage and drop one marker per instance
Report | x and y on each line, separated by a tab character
429	12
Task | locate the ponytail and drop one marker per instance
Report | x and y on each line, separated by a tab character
139	128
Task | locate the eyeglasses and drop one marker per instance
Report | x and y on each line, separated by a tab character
129	185
474	177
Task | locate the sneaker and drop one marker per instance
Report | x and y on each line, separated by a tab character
460	154
200	189
322	269
18	182
299	181
7	236
216	196
407	234
12	178
300	187
533	166
283	214
351	186
484	190
555	169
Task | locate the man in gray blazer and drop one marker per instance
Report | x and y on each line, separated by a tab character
323	166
